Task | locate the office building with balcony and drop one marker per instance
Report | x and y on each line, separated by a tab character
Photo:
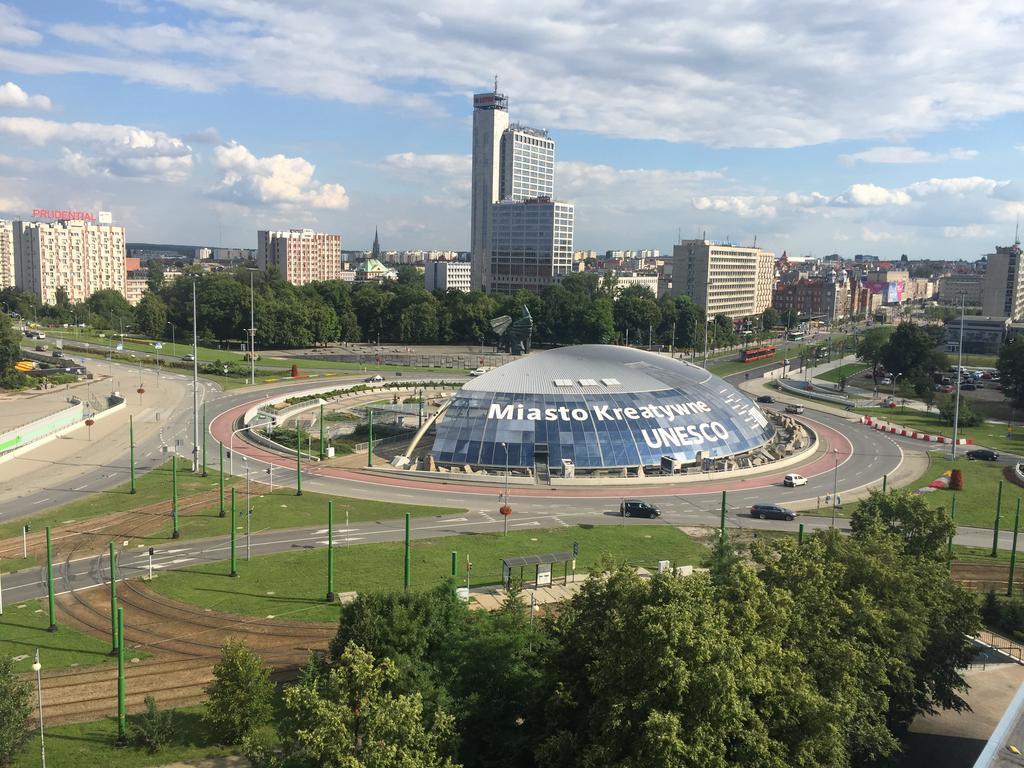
726	279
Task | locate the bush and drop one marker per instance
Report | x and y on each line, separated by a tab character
15	708
240	693
968	416
153	729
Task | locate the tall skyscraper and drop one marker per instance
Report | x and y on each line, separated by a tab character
521	236
300	255
1002	290
80	256
723	278
490	119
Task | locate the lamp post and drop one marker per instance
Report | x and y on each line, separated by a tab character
835	486
252	328
195	381
174	349
506	509
959	373
248	509
37	668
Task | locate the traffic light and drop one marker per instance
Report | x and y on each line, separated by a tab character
575	549
150	551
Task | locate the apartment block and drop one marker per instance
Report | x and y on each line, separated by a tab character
724	278
6	254
300	255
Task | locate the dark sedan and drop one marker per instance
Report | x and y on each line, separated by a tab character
983	454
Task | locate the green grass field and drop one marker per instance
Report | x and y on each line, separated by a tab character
990	435
733	365
976	503
292	585
92	744
24	627
842	372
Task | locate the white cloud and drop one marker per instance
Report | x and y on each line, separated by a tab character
906	155
958	187
15	28
118	150
877	236
744	207
871	194
443	164
12	95
204	136
872	71
970	231
275	181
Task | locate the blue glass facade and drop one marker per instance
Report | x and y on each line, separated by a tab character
599	429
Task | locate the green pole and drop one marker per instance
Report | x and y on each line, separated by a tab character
800	538
298	461
949	546
49	579
722	532
369	445
885	481
113	601
330	549
221	477
995	527
131	448
323	451
234	561
408	573
1013	552
455	560
122	735
204	440
175	533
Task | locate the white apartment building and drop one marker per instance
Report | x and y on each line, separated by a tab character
6	254
648	280
1002	290
723	278
527	161
300	255
448	276
531	244
81	257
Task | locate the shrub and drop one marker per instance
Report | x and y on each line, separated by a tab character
152	729
240	694
15	707
956	480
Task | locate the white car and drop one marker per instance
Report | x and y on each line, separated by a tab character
375	379
886	381
792	481
479	371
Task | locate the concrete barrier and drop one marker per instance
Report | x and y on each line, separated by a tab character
788	386
897	429
28	434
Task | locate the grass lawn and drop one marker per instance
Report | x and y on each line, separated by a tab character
292	585
92	744
23	628
988	435
733	365
976	504
842	372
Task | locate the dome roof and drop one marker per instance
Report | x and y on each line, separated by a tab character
598	406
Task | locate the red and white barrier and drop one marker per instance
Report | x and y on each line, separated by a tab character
895	429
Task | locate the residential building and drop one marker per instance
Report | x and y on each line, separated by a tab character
820	298
530	245
81	257
1002	291
135	284
490	119
202	254
724	278
6	254
951	287
625	279
448	275
300	255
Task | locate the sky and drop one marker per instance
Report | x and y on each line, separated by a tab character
853	127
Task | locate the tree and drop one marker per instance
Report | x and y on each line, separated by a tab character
910	351
871	346
636	312
10	354
770	318
154	275
1011	370
967	416
240	695
923	531
323	323
151	315
109	309
15	707
345	717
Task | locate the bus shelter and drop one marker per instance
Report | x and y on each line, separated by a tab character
542	565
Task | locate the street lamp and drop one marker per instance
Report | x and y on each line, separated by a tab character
835	486
506	509
37	668
174	350
252	328
248	509
959	374
195	380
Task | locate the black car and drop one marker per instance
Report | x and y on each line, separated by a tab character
968	387
983	454
772	512
765	399
637	508
794	408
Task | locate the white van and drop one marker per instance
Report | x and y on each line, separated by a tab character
792	481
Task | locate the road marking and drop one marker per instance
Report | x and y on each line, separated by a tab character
41	501
519	525
81	487
347	539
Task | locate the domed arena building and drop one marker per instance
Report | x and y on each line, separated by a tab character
597	410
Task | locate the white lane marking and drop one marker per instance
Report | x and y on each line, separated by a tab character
41	501
519	525
81	487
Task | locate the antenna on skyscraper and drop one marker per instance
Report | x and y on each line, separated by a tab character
755	241
1016	232
495	83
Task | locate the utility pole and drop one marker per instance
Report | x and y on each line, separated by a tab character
175	533
323	451
234	559
122	733
330	551
298	461
195	380
1013	552
408	565
131	449
204	439
113	601
252	330
49	581
221	482
959	373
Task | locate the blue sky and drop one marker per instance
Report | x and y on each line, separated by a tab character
852	127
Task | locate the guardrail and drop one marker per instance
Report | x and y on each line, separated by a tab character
788	386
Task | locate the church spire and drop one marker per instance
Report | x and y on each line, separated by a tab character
376	245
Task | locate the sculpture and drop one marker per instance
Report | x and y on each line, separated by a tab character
514	335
